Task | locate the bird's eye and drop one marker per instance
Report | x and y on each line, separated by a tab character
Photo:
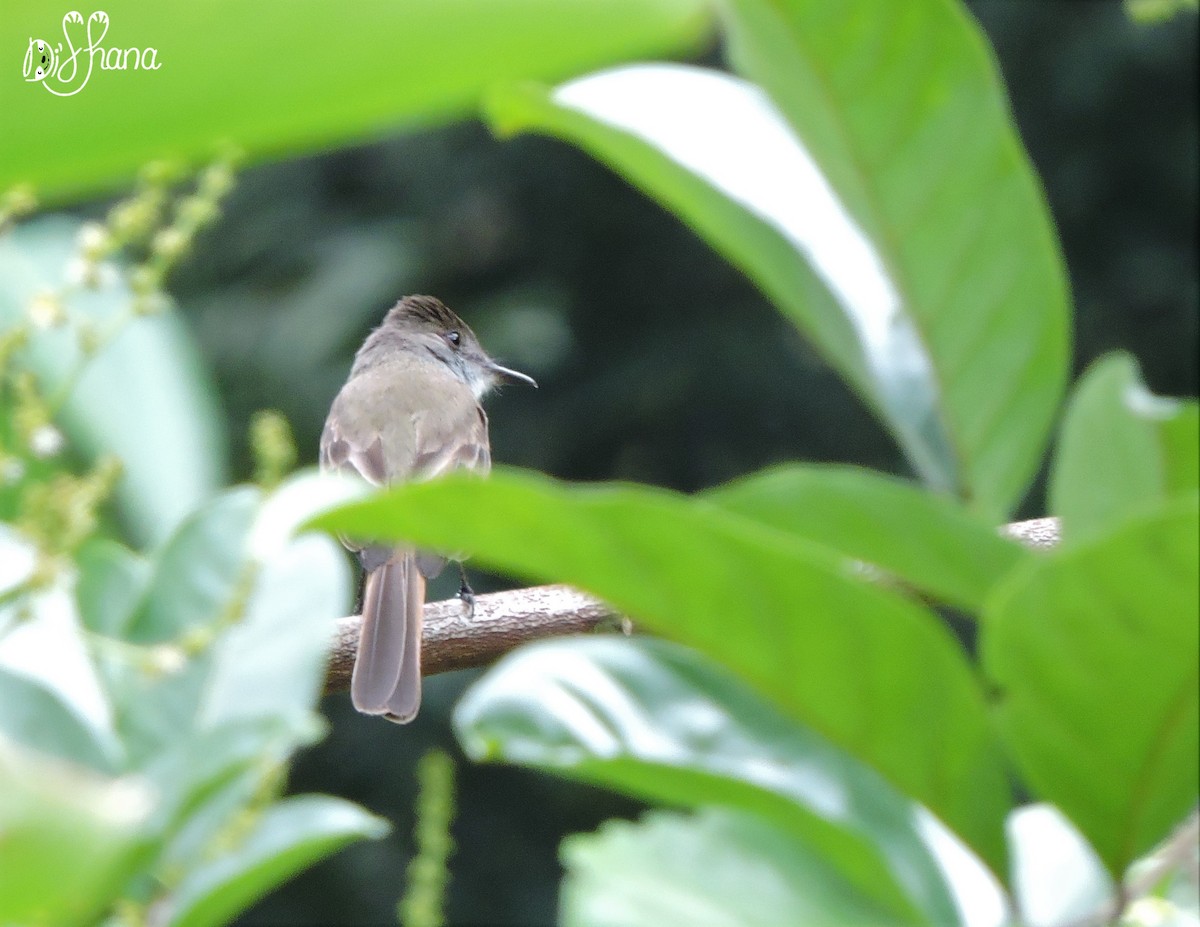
453	338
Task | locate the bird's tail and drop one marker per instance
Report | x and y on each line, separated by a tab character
387	672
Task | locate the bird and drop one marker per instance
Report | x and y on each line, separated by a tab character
410	410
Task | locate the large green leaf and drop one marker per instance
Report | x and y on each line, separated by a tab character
274	77
923	539
247	609
53	695
876	674
199	571
38	718
716	868
71	839
271	663
211	785
145	398
1094	655
879	196
289	836
1122	448
111	582
903	108
657	721
200	579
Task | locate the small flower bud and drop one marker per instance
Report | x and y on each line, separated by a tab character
46	310
94	240
170	244
46	441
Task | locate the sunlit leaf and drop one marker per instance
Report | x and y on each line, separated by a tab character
659	722
1057	878
903	108
243	612
272	663
18	560
879	195
712	869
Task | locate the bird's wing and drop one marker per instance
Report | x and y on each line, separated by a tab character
379	427
340	452
447	442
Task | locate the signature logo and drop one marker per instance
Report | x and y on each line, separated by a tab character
64	68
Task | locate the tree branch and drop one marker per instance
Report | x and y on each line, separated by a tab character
501	621
504	620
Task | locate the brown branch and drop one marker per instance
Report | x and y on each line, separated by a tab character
501	621
504	620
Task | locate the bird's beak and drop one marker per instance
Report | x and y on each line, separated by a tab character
512	376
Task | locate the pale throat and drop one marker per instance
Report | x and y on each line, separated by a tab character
479	380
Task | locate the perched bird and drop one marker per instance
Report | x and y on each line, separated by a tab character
408	411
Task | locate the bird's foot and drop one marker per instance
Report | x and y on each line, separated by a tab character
466	594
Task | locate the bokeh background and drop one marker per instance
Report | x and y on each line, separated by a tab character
657	361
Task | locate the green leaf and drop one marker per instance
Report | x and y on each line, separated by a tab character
715	868
713	149
145	397
261	603
879	196
202	576
53	678
903	108
259	682
655	720
71	840
272	663
289	836
1122	449
111	582
854	662
274	79
209	780
199	571
37	717
1094	655
922	539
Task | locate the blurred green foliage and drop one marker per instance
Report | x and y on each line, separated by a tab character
161	652
423	904
1152	11
279	78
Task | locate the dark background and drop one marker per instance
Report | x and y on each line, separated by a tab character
657	361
